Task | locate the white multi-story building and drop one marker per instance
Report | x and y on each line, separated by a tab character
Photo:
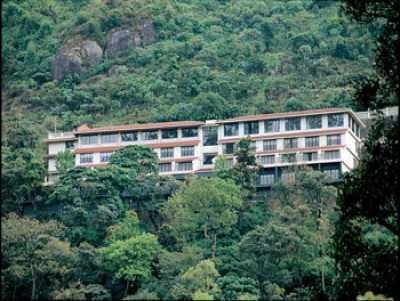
325	139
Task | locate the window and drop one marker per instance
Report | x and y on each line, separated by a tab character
312	141
69	145
288	176
184	166
314	122
272	125
266	179
189	132
310	156
231	129
228	148
329	155
267	160
86	158
288	158
332	172
333	140
187	151
208	159
292	124
210	135
290	143
150	135
335	120
253	146
109	138
105	157
85	140
165	167
169	134
167	152
129	136
269	145
251	128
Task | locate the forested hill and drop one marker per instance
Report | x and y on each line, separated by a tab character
121	61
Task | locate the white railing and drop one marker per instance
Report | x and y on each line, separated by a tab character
370	114
59	135
298	158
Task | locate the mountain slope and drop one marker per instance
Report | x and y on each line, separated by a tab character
208	59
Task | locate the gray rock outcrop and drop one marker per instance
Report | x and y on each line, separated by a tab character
76	57
120	40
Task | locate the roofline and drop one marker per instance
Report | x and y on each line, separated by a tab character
188	123
139	127
291	114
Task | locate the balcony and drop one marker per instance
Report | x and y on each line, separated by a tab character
61	135
300	158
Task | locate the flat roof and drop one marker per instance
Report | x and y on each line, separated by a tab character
84	129
290	114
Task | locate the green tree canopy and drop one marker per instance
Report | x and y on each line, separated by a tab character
208	205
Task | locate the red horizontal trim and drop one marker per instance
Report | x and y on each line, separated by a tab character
288	135
182	159
92	150
173	144
84	129
99	149
102	164
59	139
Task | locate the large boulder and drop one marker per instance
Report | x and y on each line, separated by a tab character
76	57
120	40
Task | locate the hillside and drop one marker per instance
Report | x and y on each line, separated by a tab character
127	231
179	60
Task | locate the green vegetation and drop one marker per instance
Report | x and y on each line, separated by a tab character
124	232
212	59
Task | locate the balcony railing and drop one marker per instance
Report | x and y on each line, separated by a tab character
299	158
59	135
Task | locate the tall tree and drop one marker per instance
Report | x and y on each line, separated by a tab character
129	254
206	204
36	262
91	201
198	282
22	177
367	231
290	251
246	169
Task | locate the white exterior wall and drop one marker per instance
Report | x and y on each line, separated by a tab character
347	154
56	147
52	165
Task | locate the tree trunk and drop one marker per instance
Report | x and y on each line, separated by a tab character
33	295
214	245
205	231
127	288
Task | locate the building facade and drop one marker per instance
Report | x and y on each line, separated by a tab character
325	139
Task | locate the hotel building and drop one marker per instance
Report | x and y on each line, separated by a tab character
325	139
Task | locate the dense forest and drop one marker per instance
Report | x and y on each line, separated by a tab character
123	231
